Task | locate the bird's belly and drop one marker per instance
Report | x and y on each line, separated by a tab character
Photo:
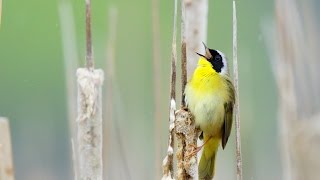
206	100
209	114
207	108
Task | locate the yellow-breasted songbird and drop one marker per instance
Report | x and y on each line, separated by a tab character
210	97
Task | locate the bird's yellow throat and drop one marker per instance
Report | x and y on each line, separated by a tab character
206	80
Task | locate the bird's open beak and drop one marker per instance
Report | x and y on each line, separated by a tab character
200	55
207	52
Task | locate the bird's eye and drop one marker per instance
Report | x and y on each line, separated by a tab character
217	58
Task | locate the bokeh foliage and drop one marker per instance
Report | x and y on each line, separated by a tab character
33	91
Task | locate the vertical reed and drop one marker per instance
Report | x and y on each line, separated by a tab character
6	161
89	119
236	87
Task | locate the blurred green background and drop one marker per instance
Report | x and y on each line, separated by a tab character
33	85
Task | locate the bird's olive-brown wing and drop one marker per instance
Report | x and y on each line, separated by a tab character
228	115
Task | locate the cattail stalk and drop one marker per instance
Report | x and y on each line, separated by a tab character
167	164
294	57
89	55
113	138
187	135
89	123
74	160
181	144
109	100
70	64
193	32
196	22
89	119
69	45
236	87
6	162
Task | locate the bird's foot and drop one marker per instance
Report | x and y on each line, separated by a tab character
195	150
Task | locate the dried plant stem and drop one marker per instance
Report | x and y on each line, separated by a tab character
167	164
183	71
89	55
187	135
173	78
111	108
156	84
74	160
2	171
196	30
111	44
237	103
70	58
193	32
110	72
89	119
70	65
90	123
181	144
6	162
297	81
183	52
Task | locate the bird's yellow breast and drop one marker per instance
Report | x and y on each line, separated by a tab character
206	94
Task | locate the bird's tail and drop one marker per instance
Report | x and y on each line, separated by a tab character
208	157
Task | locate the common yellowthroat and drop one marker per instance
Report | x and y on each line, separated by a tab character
210	97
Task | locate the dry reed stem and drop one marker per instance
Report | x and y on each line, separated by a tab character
89	113
156	84
183	71
74	160
236	86
167	164
293	61
174	55
183	52
181	144
70	64
2	171
110	73
187	135
89	55
6	162
196	20
112	110
193	32
111	44
89	123
69	45
285	76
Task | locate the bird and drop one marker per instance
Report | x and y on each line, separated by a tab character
210	97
